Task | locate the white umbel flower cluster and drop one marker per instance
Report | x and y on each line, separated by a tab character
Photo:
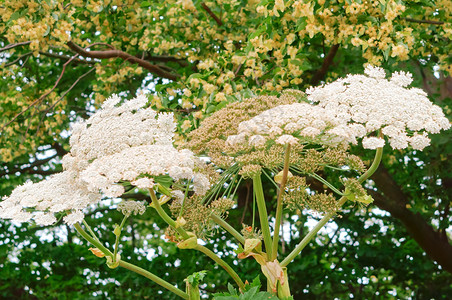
290	123
130	207
372	102
119	143
40	201
113	129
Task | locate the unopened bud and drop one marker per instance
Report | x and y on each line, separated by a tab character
279	176
180	221
250	244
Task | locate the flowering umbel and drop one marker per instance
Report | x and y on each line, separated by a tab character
370	102
119	143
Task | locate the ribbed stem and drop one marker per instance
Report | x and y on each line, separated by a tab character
223	264
263	217
93	241
279	204
154	278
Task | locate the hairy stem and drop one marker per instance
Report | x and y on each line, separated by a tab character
328	216
279	204
165	216
263	217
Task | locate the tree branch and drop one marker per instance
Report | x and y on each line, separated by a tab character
423	21
64	57
59	149
105	54
320	74
10	46
42	97
165	58
61	98
394	201
210	12
17	59
36	163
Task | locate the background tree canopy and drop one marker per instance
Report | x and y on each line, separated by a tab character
61	59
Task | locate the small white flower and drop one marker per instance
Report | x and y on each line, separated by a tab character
375	72
399	142
287	140
402	78
131	207
178	196
310	132
373	142
74	217
257	140
201	184
44	219
419	141
143	183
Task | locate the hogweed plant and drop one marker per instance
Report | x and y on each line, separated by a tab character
291	140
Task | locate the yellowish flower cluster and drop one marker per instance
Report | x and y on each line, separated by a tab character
217	49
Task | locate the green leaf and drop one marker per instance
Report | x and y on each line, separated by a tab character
145	4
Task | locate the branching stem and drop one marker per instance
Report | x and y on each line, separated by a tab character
328	216
118	236
263	216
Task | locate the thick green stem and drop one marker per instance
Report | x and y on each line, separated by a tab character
93	241
93	234
117	232
373	167
279	204
222	263
154	278
226	226
328	216
263	217
283	289
311	234
129	266
185	236
165	216
193	292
